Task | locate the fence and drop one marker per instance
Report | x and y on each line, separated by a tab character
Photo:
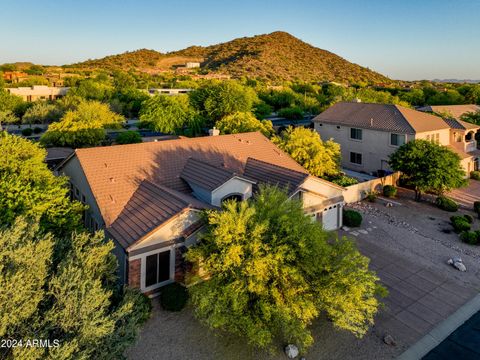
357	192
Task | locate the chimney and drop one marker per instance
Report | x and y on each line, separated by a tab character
214	132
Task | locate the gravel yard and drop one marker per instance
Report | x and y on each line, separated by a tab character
408	249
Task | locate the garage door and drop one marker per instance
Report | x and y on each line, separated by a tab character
330	218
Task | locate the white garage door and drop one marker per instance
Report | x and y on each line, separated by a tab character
330	218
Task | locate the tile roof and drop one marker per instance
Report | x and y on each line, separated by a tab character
460	124
460	152
114	173
150	206
384	117
455	110
268	173
205	175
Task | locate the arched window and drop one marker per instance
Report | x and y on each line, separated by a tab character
236	197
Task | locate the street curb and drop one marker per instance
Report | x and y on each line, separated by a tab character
442	331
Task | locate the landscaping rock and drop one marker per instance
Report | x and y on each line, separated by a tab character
389	340
291	351
388	204
457	263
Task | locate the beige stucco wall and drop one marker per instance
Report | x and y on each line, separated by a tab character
231	187
375	146
444	136
358	192
170	231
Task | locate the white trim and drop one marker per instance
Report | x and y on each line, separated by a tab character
143	263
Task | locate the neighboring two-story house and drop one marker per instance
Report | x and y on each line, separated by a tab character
453	111
369	133
148	197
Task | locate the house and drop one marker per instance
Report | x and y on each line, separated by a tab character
168	91
148	197
454	111
14	76
39	92
369	133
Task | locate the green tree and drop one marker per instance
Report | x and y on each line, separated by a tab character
167	114
72	300
84	126
472	117
320	158
414	97
272	271
93	89
244	122
217	99
42	112
128	137
428	167
28	188
292	113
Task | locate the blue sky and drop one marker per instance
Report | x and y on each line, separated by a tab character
422	39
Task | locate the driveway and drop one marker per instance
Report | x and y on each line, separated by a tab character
408	250
466	196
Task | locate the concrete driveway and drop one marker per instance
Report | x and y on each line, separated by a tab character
466	196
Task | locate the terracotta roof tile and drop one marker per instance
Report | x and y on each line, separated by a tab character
205	175
456	111
114	173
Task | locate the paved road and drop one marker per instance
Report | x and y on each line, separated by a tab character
466	196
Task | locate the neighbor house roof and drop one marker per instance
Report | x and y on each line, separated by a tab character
150	206
460	124
456	111
114	173
205	175
384	117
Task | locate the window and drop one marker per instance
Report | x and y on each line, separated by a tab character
437	138
356	134
397	139
355	158
157	268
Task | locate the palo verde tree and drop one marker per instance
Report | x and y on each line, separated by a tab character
167	114
84	126
428	167
272	271
244	122
320	158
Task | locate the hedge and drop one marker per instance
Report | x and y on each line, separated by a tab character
173	297
460	223
446	204
352	218
389	191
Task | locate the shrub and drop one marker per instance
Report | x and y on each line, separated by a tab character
27	132
469	218
352	218
371	196
389	191
460	224
128	137
470	237
446	204
37	130
476	208
343	180
475	175
173	297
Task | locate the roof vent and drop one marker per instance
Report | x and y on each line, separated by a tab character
214	132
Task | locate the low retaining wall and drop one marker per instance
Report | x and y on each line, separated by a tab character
358	192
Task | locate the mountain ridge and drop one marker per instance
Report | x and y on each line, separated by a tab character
275	56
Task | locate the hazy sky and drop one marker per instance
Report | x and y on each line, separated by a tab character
405	39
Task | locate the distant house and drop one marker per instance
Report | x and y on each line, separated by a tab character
14	76
39	92
148	197
455	111
369	133
192	65
155	91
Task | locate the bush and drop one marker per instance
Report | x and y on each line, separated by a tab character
475	175
476	208
470	237
343	180
469	218
352	218
371	196
128	137
446	204
460	223
27	132
173	297
37	130
389	191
